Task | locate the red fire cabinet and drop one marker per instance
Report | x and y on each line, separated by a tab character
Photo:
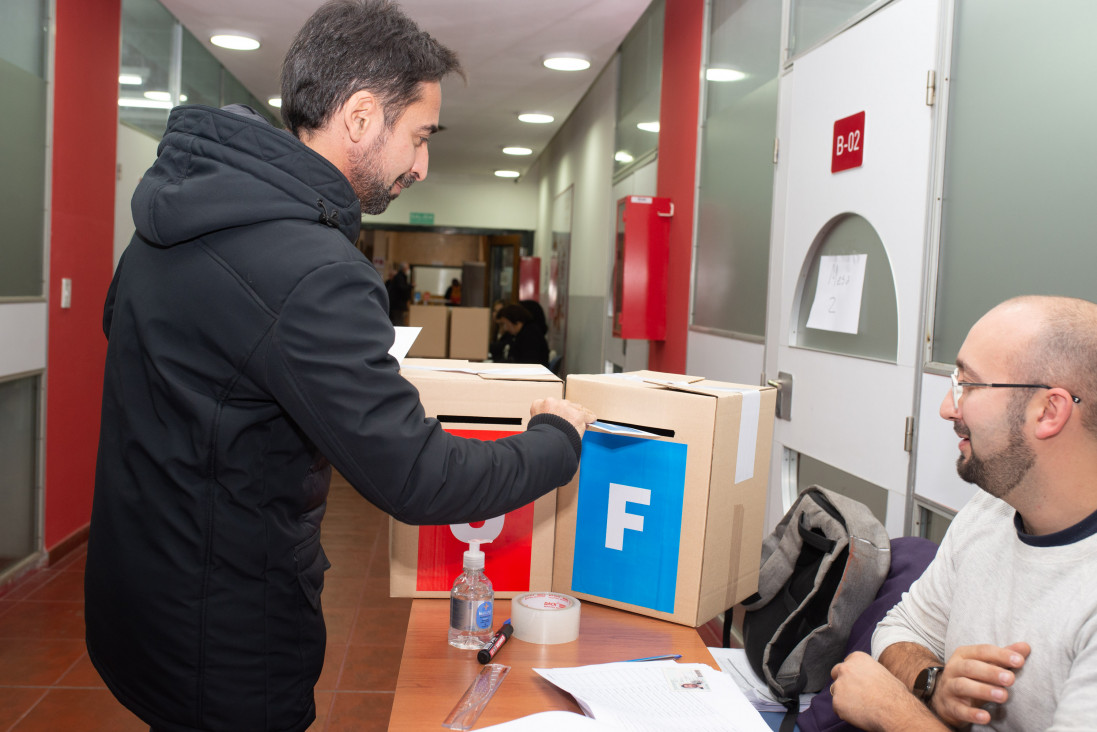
640	267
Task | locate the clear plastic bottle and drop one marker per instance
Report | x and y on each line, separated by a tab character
471	604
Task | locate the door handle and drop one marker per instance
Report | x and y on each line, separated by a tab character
783	385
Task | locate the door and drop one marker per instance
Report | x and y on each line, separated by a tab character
850	206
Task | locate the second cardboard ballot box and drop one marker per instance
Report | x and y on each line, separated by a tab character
666	515
485	401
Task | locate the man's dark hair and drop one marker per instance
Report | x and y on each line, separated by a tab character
515	314
351	45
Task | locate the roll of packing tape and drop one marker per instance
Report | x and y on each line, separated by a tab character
545	617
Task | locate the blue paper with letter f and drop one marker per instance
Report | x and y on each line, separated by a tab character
629	519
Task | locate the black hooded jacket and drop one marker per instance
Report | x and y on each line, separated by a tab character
247	347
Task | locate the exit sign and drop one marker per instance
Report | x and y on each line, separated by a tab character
848	148
422	219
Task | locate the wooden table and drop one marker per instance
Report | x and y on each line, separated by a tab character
434	675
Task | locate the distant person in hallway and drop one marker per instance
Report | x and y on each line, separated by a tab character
247	354
527	340
398	288
453	292
1001	631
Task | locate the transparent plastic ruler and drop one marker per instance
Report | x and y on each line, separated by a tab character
476	697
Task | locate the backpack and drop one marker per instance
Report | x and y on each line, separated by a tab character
821	567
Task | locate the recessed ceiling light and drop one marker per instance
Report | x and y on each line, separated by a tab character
517	151
144	103
566	62
537	119
507	173
275	101
648	126
235	41
622	157
724	75
130	79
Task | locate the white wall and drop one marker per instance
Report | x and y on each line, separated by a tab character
467	201
136	154
581	156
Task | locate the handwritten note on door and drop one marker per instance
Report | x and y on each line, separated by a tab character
837	305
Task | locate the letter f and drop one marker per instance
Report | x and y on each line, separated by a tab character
618	518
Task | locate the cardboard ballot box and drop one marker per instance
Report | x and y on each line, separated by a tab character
667	524
433	340
469	333
485	401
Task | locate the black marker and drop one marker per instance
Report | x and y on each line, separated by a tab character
488	652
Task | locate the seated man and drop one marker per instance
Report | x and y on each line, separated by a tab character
1001	630
528	344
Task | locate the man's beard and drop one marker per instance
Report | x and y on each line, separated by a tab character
365	178
998	474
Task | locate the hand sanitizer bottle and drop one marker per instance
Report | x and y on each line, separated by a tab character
471	603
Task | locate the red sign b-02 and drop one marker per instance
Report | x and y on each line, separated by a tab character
848	148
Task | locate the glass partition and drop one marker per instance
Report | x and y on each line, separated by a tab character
813	21
22	147
1018	214
639	90
148	50
18	469
144	94
736	188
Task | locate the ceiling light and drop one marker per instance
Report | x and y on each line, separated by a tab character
146	103
724	75
275	101
507	173
517	151
537	119
158	96
235	41
130	79
648	126
566	61
623	157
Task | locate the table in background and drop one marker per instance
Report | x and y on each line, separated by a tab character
434	675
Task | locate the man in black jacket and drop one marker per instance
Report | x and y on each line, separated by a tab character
247	347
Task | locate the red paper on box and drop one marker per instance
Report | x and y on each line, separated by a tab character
507	557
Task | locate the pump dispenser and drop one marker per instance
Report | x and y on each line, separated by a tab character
471	603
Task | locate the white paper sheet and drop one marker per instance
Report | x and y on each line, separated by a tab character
837	304
405	337
548	722
661	696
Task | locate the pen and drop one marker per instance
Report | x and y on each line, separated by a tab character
485	654
668	657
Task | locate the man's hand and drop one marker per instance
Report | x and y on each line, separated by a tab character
867	696
577	414
974	676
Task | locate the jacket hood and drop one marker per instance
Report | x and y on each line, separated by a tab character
222	168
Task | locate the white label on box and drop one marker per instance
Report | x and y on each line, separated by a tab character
748	430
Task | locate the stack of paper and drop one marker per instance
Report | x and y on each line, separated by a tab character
661	696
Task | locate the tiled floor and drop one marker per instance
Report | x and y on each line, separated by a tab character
47	683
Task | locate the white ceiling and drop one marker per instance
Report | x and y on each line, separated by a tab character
500	44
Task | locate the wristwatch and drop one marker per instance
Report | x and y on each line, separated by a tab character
926	682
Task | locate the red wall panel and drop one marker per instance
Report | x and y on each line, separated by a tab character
683	36
85	130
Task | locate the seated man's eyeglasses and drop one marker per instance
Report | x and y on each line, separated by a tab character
958	388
